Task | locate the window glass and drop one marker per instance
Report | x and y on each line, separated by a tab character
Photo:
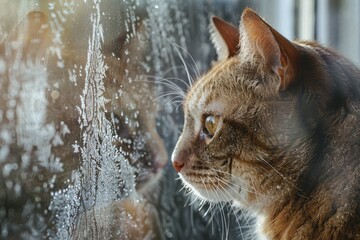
90	110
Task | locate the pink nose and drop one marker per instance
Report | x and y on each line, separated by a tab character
178	165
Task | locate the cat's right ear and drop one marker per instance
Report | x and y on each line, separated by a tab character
278	54
225	38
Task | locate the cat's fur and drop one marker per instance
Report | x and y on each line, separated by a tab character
30	43
287	143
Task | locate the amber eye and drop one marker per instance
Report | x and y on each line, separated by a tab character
211	125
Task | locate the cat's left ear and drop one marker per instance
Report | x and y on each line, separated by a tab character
225	38
279	54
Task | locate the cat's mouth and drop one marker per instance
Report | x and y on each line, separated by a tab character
210	183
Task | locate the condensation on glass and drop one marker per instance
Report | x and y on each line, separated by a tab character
90	108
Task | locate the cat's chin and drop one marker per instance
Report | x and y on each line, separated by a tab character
209	195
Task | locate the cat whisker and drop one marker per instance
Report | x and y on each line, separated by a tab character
235	191
177	79
286	180
202	203
179	103
230	184
238	223
211	211
174	69
241	180
190	79
196	70
182	188
196	198
171	101
249	226
177	91
187	200
256	194
168	83
209	208
222	191
165	95
189	192
171	81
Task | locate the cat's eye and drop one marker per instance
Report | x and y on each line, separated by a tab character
211	125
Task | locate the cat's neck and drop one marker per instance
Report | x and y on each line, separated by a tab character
327	191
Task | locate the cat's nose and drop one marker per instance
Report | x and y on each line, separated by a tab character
178	165
178	160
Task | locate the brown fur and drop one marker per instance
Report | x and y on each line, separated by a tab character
287	145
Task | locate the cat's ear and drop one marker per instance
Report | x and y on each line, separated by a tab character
278	53
225	38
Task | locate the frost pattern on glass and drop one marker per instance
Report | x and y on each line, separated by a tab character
104	175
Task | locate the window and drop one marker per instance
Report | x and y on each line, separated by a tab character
90	109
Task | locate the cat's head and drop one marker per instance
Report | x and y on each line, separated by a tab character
250	121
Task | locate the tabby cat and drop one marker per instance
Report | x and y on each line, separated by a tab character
274	127
40	129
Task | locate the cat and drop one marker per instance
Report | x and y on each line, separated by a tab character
274	127
36	163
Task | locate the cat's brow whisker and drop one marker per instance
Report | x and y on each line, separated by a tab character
167	82
190	79
171	85
196	70
154	77
175	92
179	103
173	80
173	68
170	100
178	79
167	94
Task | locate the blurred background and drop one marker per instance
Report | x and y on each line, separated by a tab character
90	110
